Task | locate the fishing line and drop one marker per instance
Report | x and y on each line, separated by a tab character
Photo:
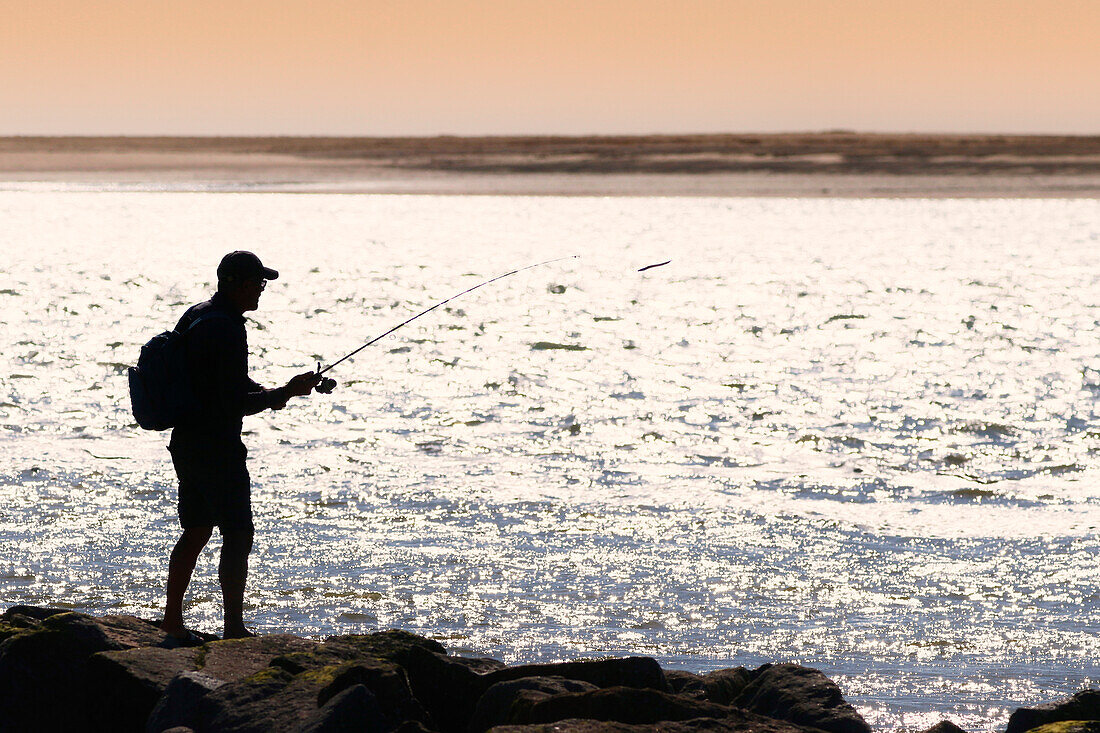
329	383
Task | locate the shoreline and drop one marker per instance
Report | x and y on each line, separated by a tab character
120	672
843	165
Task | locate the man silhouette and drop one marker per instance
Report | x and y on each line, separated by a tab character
206	448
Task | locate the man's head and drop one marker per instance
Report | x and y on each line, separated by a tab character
242	277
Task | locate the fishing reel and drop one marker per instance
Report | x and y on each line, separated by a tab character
326	385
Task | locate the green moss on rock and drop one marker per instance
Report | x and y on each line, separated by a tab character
1069	726
324	675
268	674
200	657
7	630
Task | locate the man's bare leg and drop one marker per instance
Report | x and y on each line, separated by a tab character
181	565
233	572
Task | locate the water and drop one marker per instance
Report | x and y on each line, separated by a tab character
856	434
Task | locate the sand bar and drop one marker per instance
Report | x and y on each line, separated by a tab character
820	164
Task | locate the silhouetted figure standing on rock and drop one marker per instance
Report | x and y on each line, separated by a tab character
206	448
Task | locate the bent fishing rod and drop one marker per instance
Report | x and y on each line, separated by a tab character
328	384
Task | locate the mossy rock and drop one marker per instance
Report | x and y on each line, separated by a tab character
1069	726
268	675
387	683
42	674
44	669
298	662
235	659
270	699
125	686
394	645
34	613
7	630
323	676
290	691
1082	706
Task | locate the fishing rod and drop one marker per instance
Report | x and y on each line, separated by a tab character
327	384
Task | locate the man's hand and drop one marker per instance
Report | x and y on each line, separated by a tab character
302	384
298	386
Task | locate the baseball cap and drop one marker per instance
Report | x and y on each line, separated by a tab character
241	265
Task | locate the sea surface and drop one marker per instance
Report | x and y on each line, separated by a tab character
861	435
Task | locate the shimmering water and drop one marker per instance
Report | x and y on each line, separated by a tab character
860	435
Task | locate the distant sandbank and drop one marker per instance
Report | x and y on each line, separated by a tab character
819	164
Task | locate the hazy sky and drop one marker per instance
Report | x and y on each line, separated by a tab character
373	67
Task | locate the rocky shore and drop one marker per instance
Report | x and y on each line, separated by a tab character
66	671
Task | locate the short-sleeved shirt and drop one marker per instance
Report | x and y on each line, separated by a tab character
206	448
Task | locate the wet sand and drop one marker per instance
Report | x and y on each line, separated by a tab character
823	164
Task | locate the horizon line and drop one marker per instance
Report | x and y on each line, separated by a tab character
832	132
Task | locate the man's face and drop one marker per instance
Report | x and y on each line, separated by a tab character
251	289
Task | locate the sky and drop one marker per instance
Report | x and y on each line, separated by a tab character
489	67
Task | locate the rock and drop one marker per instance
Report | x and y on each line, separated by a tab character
276	699
945	726
1085	705
43	669
576	726
481	665
1070	726
385	681
449	687
353	710
684	683
220	661
34	612
393	645
19	618
620	704
110	632
8	630
412	726
125	686
802	696
624	672
721	686
234	659
259	702
495	705
736	722
303	676
724	685
179	707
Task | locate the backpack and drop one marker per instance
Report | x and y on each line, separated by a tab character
160	390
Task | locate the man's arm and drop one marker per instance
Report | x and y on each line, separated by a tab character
258	398
299	385
223	353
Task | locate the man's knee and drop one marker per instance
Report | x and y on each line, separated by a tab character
197	535
237	541
191	542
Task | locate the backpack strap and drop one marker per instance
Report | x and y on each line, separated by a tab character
204	317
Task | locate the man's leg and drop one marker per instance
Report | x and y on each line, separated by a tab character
232	572
180	566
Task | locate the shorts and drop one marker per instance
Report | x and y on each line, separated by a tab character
214	486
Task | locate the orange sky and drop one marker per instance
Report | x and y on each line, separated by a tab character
374	67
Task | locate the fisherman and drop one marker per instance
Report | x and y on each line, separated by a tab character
206	448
